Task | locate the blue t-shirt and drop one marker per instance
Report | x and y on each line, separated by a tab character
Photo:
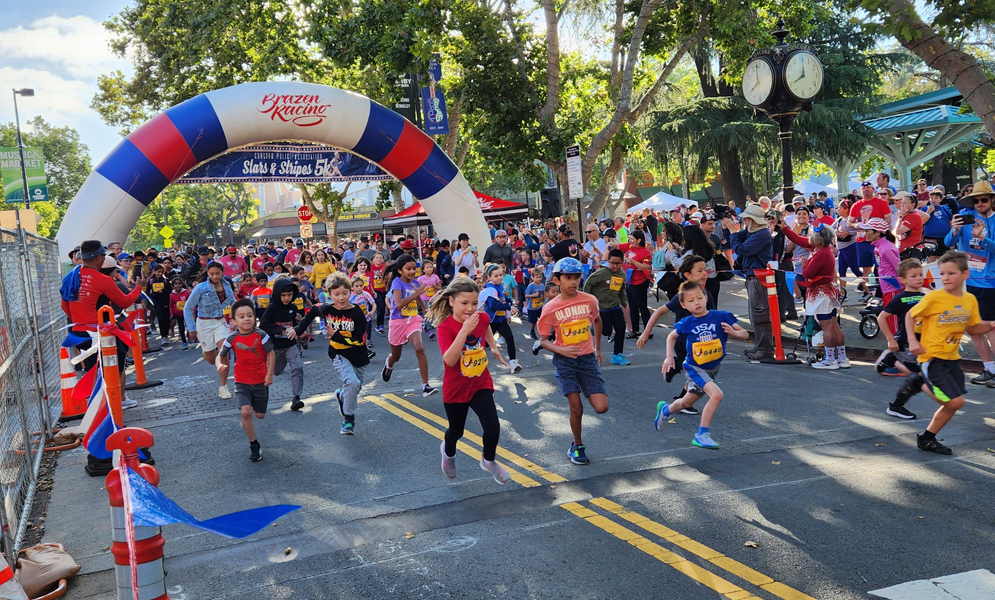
938	224
706	340
410	309
534	303
509	284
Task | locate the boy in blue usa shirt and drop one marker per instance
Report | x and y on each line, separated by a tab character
706	333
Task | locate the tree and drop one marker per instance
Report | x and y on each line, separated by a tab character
195	213
327	204
67	164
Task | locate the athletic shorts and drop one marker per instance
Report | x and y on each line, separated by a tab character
698	378
255	395
986	301
579	375
847	261
945	378
211	332
827	316
865	254
401	329
534	315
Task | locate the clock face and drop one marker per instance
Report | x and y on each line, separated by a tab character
758	82
803	75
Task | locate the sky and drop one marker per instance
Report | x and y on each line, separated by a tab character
59	48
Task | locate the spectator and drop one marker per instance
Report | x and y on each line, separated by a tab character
500	252
753	245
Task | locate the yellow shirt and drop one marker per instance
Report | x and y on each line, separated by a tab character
944	318
320	271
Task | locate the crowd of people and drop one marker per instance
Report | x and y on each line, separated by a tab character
260	305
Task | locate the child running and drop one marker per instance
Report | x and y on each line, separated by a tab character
362	298
573	318
346	330
177	301
497	306
405	322
466	383
706	333
254	364
945	315
278	322
431	282
897	360
534	300
607	284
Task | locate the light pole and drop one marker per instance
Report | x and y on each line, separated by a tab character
27	93
234	229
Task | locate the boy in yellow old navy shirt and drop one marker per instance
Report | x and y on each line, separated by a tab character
945	315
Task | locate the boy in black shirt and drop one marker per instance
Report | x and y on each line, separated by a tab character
897	360
345	328
278	321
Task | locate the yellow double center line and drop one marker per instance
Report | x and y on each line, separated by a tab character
394	405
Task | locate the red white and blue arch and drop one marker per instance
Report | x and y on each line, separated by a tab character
119	189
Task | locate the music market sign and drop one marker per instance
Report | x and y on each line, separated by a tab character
34	169
285	163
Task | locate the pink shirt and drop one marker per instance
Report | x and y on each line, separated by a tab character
573	321
888	259
233	266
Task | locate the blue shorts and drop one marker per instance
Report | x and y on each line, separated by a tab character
534	314
847	261
865	254
698	378
579	375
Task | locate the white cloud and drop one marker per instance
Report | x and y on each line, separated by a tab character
78	46
58	100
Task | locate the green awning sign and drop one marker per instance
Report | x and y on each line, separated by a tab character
34	167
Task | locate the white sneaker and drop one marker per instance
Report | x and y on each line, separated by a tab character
843	362
514	366
223	392
500	473
830	365
126	404
448	463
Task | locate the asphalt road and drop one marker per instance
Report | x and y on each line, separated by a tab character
815	492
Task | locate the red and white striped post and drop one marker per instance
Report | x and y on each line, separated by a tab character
71	409
146	579
766	277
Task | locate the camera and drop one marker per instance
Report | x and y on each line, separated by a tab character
722	211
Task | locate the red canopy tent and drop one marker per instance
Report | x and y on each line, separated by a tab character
495	209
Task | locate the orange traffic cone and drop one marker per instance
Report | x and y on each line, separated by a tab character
71	409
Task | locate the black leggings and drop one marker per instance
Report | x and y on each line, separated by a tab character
381	301
162	314
504	330
613	321
182	327
637	303
712	285
482	403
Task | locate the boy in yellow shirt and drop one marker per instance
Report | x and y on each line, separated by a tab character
945	315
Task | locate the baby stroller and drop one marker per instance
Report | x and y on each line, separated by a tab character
811	332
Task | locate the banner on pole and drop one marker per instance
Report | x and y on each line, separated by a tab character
434	101
285	163
34	168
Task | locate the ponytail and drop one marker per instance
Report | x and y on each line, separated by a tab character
439	309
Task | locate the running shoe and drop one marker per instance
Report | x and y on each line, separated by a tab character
164	341
223	392
932	445
755	354
428	390
669	375
620	359
255	455
514	366
577	455
532	334
491	466
431	336
380	330
536	347
891	372
297	404
662	413
984	379
185	346
348	428
690	411
129	403
371	354
387	371
632	335
901	412
338	397
448	462
829	365
843	361
611	339
704	440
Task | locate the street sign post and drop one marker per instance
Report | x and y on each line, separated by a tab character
306	230
304	214
575	183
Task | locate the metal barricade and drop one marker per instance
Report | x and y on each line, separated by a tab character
31	333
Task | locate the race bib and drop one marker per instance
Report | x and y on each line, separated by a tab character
158	287
299	303
429	292
706	352
616	283
410	310
976	263
536	303
226	311
473	362
262	301
378	281
500	313
181	304
575	332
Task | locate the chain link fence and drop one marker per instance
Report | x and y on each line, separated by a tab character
31	334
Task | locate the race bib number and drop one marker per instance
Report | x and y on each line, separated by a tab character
410	310
429	292
473	362
536	303
378	282
976	263
181	304
158	287
226	311
575	332
616	283
706	352
262	302
299	303
500	313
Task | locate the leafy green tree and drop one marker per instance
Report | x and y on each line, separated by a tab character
196	213
67	163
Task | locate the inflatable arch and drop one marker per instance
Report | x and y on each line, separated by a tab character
116	192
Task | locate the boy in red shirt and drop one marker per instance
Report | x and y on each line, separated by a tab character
575	319
255	361
177	302
262	294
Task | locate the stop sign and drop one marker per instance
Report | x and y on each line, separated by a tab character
304	214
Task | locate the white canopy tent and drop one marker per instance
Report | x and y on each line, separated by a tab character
807	187
663	201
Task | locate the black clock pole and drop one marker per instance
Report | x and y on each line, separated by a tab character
788	187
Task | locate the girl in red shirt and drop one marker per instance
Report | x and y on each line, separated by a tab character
379	288
466	383
638	262
177	301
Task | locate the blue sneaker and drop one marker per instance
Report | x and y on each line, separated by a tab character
704	440
348	428
662	412
619	359
577	455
